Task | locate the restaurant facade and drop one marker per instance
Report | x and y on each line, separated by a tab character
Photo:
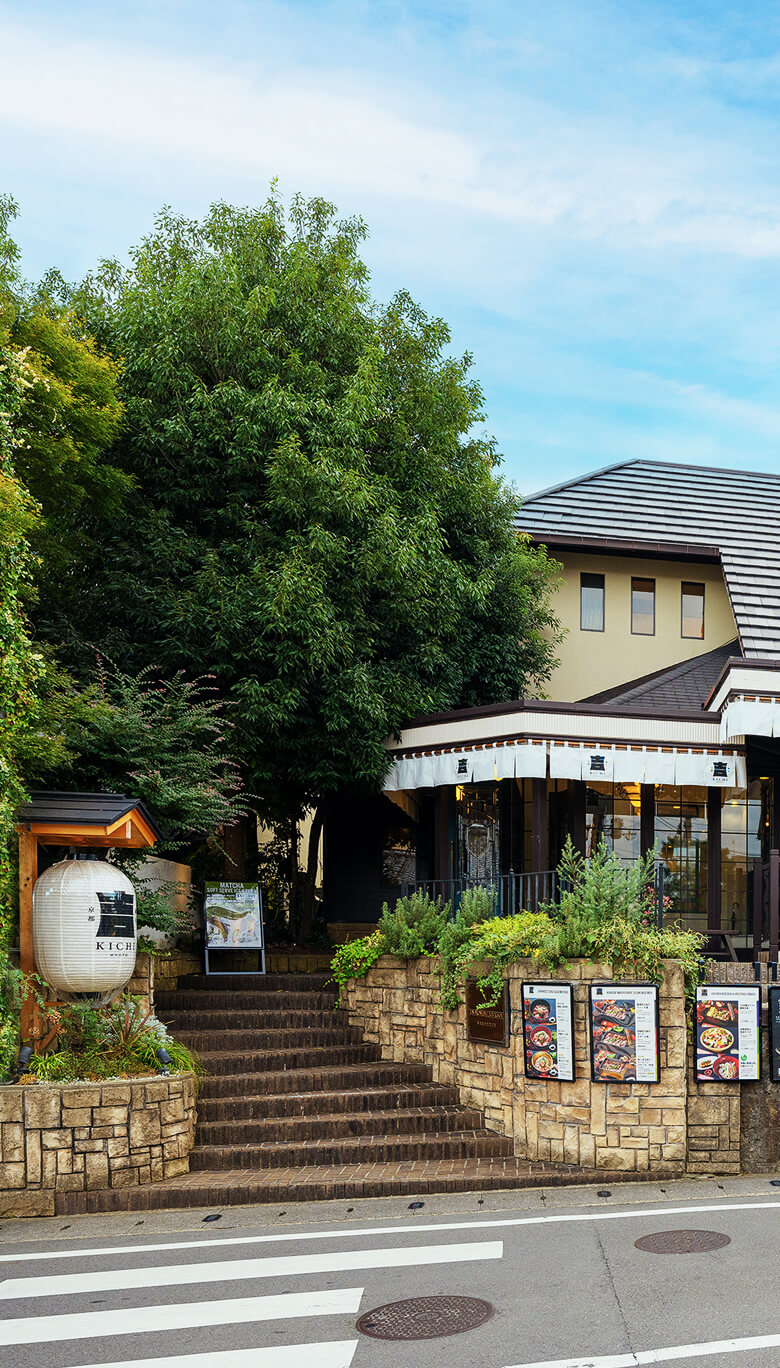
661	732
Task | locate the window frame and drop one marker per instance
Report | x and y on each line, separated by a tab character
595	574
642	579
698	584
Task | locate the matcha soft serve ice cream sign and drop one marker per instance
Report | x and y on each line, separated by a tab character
233	916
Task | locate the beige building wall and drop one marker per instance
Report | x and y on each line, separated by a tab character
593	661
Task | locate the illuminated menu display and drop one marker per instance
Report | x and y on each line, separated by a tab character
728	1047
548	1031
624	1033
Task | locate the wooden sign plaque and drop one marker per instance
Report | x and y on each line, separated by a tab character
489	1025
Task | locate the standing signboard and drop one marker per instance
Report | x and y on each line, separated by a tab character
727	1033
624	1033
233	920
486	1024
774	1034
548	1031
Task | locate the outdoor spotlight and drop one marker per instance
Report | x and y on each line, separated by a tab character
164	1058
23	1062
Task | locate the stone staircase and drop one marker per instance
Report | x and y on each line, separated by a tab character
296	1106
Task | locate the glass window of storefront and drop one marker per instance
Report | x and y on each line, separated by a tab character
681	844
746	826
613	811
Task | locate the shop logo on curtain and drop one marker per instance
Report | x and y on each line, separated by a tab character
597	764
722	772
463	767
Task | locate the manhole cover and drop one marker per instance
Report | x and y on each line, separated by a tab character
421	1318
682	1241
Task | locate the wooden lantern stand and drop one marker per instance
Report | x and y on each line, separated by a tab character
100	821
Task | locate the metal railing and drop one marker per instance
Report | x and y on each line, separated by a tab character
515	892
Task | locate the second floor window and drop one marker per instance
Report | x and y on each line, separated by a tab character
592	603
643	607
692	610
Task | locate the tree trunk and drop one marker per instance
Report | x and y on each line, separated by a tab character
310	878
234	843
295	898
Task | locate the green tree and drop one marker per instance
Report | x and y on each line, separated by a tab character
316	518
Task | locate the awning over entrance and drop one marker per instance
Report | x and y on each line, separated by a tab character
567	760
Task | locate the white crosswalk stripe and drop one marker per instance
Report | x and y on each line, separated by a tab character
181	1316
332	1354
233	1270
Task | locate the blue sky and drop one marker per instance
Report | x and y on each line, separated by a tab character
588	192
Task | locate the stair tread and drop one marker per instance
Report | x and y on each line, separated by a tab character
367	1141
320	1182
387	1114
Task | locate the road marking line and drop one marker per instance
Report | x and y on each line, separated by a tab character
233	1270
498	1224
136	1320
668	1355
330	1354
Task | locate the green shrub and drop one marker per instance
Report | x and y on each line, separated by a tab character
476	905
354	959
502	940
414	926
108	1042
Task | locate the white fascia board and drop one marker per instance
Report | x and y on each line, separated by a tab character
745	680
596	726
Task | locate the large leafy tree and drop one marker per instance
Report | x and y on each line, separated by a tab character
60	501
315	516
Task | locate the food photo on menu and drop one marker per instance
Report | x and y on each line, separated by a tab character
614	1040
717	1039
541	1037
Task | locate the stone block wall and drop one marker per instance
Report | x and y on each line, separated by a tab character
78	1136
628	1127
714	1121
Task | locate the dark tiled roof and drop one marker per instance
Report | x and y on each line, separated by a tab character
652	503
90	809
687	685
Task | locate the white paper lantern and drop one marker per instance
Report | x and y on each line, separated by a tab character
84	927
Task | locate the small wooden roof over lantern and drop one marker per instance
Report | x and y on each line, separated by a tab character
86	820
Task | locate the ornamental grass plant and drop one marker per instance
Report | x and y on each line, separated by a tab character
117	1041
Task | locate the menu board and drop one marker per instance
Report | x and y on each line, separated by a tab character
548	1031
727	1035
774	1034
624	1033
233	916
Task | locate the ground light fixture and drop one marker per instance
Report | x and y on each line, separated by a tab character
23	1062
164	1059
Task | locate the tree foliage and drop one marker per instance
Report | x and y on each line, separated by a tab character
315	516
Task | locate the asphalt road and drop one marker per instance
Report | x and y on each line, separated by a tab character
261	1288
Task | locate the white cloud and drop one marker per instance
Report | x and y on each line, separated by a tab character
124	110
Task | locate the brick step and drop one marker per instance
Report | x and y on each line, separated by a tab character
200	1000
249	1041
249	1086
362	1149
268	983
350	1101
276	1130
270	1061
280	1019
318	1182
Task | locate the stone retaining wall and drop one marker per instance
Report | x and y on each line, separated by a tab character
77	1136
631	1127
